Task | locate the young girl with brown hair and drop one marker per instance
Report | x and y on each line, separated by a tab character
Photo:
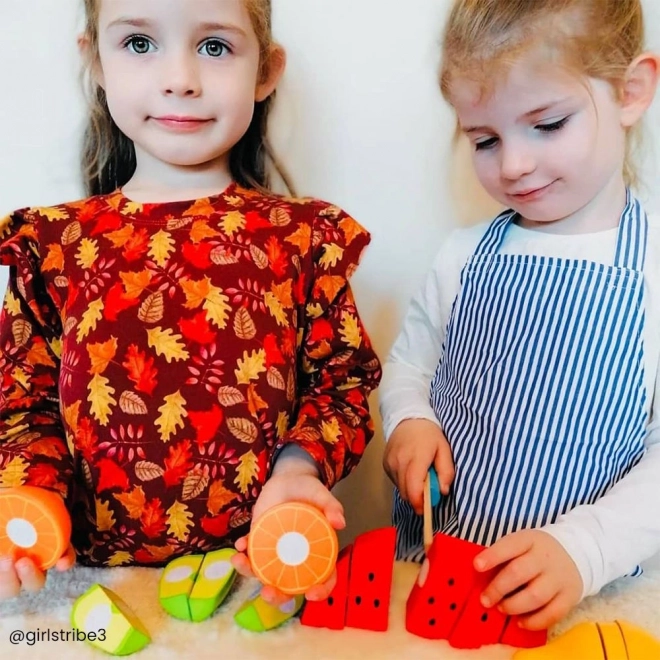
181	350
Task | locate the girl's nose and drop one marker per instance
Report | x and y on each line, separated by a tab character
516	161
180	76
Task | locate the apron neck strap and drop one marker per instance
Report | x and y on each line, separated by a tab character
631	235
630	240
490	242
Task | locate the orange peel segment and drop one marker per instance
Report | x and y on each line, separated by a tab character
292	547
34	523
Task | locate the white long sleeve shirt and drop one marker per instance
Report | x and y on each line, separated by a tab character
609	538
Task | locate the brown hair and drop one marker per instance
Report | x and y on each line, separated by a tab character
108	156
593	38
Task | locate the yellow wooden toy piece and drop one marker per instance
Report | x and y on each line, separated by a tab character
640	644
110	625
616	640
34	523
613	641
215	579
176	583
256	615
292	547
192	587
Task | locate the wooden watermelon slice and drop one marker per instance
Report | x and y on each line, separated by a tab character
433	607
446	604
514	635
331	612
477	625
370	581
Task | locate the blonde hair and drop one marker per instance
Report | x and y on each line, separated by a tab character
591	38
108	156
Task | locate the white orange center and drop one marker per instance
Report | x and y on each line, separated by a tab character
21	532
292	548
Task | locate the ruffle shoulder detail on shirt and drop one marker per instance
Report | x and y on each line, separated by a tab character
338	241
18	238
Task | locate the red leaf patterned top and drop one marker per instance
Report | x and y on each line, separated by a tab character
156	357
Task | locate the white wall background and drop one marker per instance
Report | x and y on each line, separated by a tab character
359	121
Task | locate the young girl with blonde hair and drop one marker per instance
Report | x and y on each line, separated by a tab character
526	371
180	350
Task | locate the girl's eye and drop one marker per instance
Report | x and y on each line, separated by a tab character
214	48
485	144
138	44
554	126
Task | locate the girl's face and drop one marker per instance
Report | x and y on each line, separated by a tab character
180	76
545	144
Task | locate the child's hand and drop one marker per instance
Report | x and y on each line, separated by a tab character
413	447
23	573
540	576
292	480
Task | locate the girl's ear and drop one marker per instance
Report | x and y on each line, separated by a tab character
639	87
85	49
272	72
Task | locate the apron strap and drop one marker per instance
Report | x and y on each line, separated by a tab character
490	242
632	235
630	242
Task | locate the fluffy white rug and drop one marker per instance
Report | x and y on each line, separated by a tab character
635	600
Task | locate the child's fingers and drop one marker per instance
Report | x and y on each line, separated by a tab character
547	616
507	548
67	560
32	579
536	594
274	596
401	482
313	492
444	467
241	544
322	591
514	575
333	510
242	565
10	585
417	471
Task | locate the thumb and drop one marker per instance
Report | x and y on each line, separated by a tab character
331	507
334	512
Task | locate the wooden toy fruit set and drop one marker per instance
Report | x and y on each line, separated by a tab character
293	548
444	604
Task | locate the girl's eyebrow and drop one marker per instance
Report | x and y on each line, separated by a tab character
127	20
206	26
222	27
545	108
527	115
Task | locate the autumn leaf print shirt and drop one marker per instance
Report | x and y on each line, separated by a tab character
156	357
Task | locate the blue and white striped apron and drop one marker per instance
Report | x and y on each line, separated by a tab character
540	387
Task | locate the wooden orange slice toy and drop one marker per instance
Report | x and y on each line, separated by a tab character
34	523
292	547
